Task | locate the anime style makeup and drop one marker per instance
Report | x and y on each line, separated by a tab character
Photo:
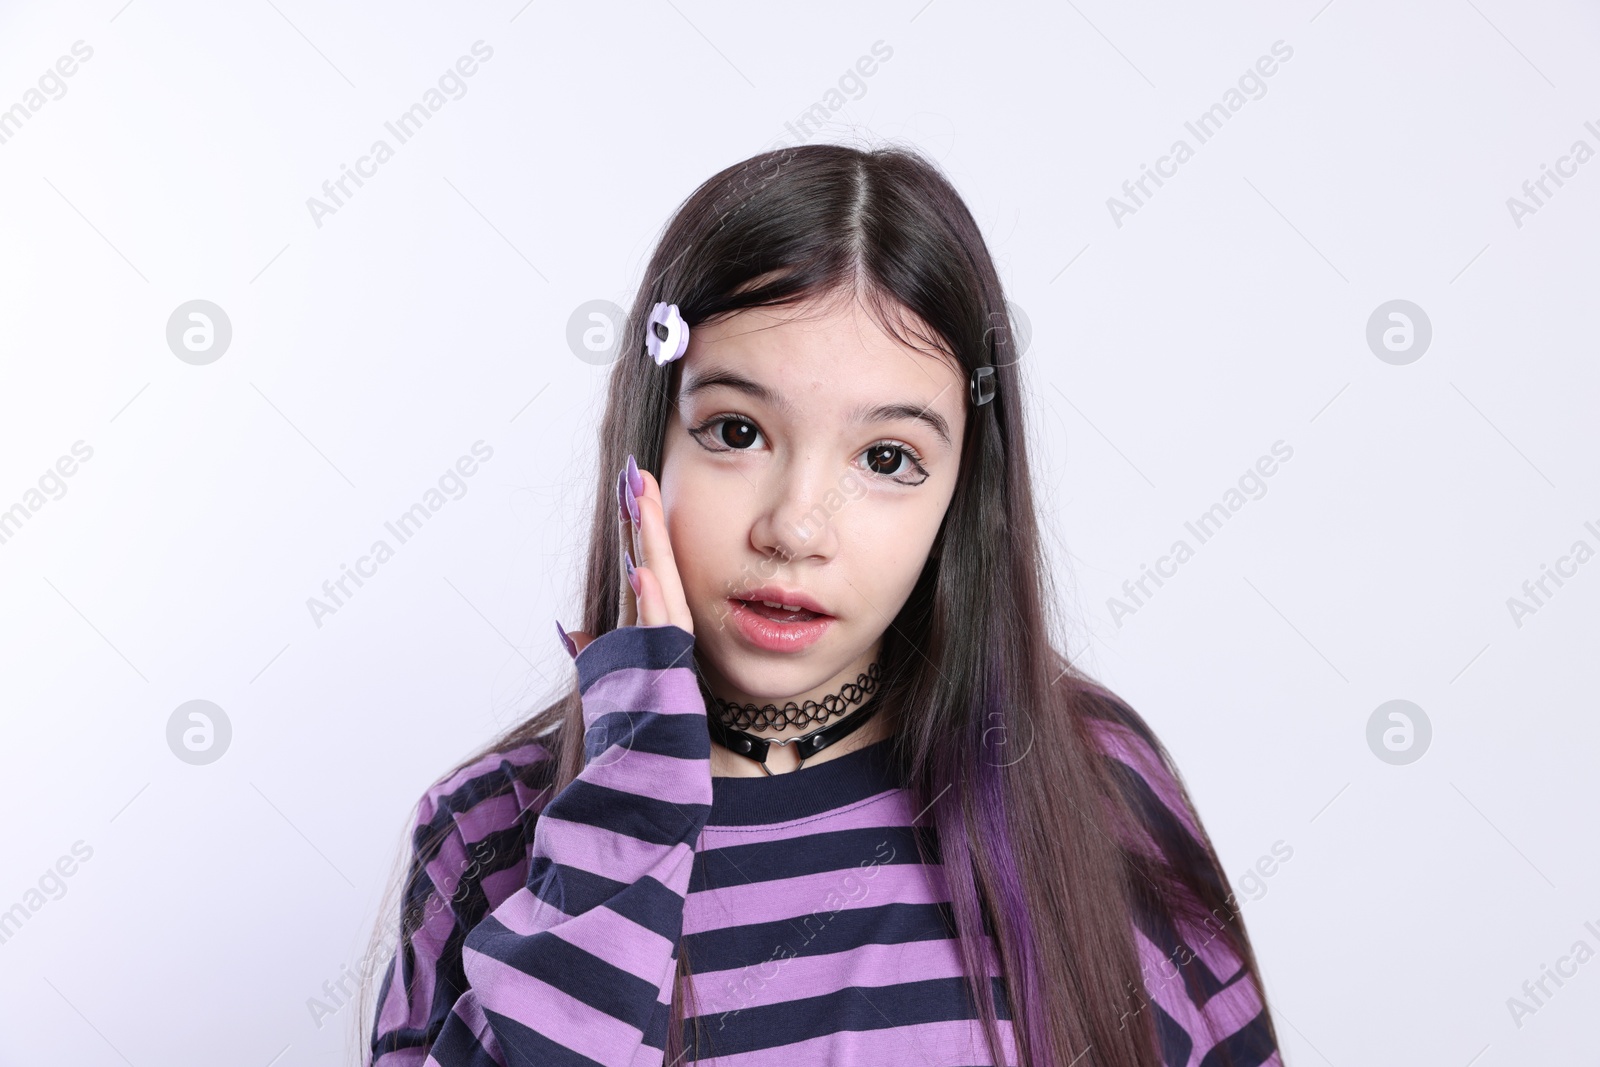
805	474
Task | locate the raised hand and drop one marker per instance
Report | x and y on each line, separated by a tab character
653	596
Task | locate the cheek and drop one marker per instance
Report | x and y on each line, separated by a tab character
887	547
698	529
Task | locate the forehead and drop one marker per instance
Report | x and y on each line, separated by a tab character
825	355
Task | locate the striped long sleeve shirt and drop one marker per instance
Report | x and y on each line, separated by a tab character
550	924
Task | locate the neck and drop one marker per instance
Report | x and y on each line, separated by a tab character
797	716
811	728
729	761
779	716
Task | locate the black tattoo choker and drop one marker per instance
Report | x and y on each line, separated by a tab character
727	727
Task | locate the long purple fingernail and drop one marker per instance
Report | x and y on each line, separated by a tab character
572	647
635	480
622	495
633	575
633	508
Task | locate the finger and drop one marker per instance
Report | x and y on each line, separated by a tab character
651	612
656	548
627	603
579	638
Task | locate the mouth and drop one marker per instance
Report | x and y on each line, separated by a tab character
780	601
781	628
778	612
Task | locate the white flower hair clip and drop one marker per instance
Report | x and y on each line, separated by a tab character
666	335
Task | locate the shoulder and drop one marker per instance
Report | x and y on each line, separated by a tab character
477	820
1145	771
470	836
1199	971
463	790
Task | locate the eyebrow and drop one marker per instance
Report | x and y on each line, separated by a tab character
728	379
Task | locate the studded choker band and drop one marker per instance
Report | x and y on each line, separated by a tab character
727	726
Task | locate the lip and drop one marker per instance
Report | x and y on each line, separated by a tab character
779	595
772	636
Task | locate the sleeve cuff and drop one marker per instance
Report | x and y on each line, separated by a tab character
647	647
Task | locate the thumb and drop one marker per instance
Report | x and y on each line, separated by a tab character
572	640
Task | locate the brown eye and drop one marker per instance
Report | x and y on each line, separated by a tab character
737	433
885	459
727	433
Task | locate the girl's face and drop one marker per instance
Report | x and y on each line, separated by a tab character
813	455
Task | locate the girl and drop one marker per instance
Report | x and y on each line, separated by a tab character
824	791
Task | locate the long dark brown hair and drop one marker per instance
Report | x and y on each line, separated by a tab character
1046	842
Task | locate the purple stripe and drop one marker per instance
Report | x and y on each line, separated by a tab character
668	778
449	864
647	1056
1207	943
524	913
673	691
1206	948
775	981
1124	745
890	808
439	919
487	817
605	852
532	752
396	1013
949	1044
1228	1010
549	1011
827	891
1232	1008
501	884
619	942
470	1011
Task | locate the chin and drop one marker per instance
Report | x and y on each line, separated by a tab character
754	671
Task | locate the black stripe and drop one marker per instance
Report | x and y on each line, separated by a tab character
818	934
650	904
850	1009
577	972
812	790
1250	1046
498	851
1176	1044
659	822
839	850
573	890
1178	846
404	1037
492	782
1200	982
456	1046
684	737
525	1048
655	1035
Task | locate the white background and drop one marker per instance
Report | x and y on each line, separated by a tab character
1228	312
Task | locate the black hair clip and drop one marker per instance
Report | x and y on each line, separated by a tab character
982	385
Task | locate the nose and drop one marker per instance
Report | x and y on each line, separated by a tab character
796	520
